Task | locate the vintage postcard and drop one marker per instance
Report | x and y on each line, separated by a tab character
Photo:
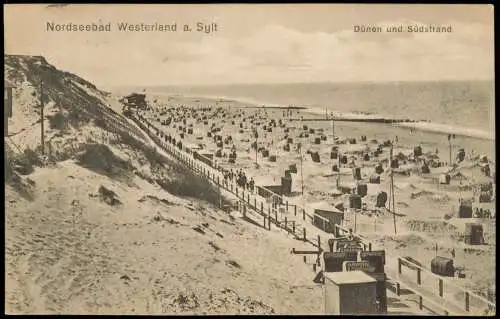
305	159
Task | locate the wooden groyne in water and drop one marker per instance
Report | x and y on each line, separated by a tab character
347	119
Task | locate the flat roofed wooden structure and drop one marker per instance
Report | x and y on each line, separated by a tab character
350	293
325	216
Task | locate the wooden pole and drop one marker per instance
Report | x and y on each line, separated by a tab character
220	197
392	192
467	301
449	144
42	106
256	147
269	216
301	171
333	132
355	220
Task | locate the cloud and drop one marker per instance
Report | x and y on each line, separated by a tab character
272	53
281	54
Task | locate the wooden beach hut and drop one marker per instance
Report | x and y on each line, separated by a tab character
355	201
442	266
268	186
326	216
465	210
444	179
461	155
362	189
315	157
474	234
374	179
356	173
417	151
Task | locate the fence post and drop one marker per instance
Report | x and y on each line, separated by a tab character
261	207
419	276
441	287
369	246
255	203
304	231
398	289
276	216
399	266
244	210
293	227
264	221
295	210
319	242
236	191
467	301
286	226
269	216
248	198
303	214
421	302
286	203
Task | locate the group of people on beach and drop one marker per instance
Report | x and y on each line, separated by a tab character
241	179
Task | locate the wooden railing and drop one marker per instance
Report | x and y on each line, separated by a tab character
270	212
471	303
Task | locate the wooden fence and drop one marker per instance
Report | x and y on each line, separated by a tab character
289	217
443	287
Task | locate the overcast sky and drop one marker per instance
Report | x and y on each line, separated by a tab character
258	43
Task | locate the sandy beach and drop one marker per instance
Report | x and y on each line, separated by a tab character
427	209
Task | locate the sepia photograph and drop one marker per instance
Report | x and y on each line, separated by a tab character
249	159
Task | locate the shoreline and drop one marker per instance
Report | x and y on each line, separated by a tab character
360	116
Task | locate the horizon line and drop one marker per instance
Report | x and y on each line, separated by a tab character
301	83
